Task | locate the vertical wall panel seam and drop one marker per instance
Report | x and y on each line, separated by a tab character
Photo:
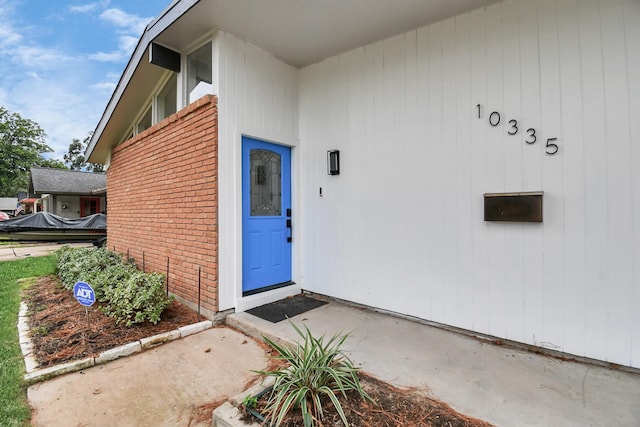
584	167
635	334
607	221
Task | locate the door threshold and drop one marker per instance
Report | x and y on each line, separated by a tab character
268	288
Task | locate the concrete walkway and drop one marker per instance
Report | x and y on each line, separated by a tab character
164	386
502	385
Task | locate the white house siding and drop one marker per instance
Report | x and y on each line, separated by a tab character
402	226
258	96
8	204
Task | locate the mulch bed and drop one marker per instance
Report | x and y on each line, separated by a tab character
60	332
392	406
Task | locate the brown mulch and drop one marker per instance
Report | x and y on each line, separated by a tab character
391	406
60	333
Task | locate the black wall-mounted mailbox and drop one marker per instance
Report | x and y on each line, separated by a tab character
513	207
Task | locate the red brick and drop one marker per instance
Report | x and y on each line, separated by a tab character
162	200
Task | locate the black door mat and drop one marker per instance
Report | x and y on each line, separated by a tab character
285	308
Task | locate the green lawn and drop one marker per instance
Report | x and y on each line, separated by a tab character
14	410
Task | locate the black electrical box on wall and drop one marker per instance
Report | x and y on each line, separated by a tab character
513	207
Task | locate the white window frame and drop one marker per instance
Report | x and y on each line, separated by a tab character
185	74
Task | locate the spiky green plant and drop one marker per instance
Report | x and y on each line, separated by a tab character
316	370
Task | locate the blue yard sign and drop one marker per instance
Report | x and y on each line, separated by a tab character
84	294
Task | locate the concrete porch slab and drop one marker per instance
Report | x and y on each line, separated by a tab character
499	384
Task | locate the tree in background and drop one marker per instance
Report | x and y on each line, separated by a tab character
75	157
22	146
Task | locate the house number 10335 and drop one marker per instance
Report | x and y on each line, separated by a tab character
495	118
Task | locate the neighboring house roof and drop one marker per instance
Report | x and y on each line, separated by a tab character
298	33
63	181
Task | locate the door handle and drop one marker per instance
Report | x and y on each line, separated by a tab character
289	226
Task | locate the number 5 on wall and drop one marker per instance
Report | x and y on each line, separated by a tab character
551	147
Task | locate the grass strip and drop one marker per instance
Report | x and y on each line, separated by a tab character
14	410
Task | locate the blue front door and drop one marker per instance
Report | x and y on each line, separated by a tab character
266	216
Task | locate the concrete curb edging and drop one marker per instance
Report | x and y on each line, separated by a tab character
26	346
229	415
185	331
35	375
159	339
55	371
118	352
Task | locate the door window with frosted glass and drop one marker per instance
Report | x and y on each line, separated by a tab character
266	183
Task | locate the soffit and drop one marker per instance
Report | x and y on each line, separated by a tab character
303	32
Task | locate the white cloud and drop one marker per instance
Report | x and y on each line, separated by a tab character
107	56
84	8
127	43
89	7
8	36
14	47
130	27
104	86
63	110
128	23
39	57
108	85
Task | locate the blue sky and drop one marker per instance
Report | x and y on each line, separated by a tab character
60	60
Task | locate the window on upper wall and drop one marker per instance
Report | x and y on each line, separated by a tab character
145	121
164	104
166	101
199	73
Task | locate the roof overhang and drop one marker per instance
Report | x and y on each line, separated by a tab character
30	200
298	32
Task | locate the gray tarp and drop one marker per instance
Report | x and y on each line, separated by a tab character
47	221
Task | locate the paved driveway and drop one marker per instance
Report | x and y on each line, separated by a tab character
29	249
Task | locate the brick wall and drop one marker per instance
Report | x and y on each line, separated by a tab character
162	195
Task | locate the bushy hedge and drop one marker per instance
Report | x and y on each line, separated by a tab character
98	267
127	294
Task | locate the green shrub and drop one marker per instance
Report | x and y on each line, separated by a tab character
98	267
129	296
108	277
139	298
317	370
